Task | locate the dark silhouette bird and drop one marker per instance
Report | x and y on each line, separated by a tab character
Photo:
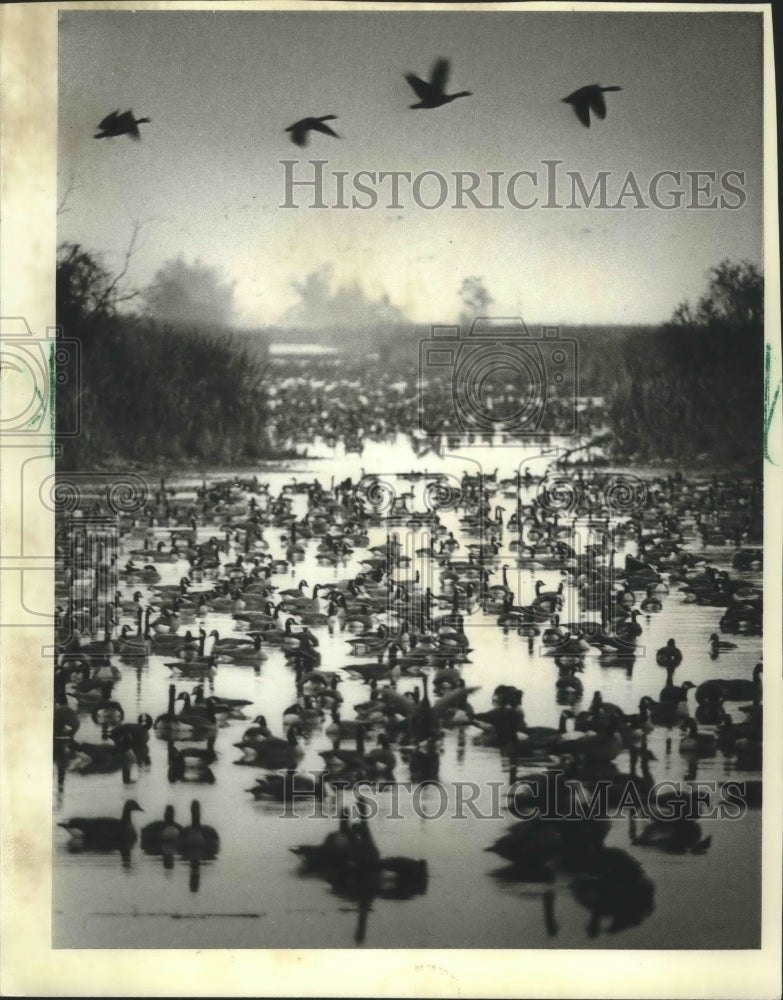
198	840
299	130
433	94
103	832
587	99
120	124
162	834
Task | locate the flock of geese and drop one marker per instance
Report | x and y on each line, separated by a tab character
431	94
410	641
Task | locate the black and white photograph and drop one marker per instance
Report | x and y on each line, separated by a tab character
405	425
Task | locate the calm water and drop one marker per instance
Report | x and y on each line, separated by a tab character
254	895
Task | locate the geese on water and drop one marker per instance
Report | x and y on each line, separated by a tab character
381	761
432	92
665	713
566	839
732	689
257	731
169	642
272	752
502	727
134	735
249	654
453	707
223	706
342	729
169	725
696	742
198	841
350	844
132	646
569	683
652	603
229	643
289	787
676	835
65	720
107	712
300	131
203	718
718	645
87	691
533	853
191	763
342	762
103	758
162	834
104	833
198	668
730	734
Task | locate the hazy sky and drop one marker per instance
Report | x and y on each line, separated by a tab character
220	88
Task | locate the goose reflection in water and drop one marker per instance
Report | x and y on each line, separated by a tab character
613	887
349	860
196	843
625	661
160	838
608	882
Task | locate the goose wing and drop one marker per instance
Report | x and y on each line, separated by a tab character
109	120
423	90
580	102
298	132
127	123
582	109
597	102
440	75
321	127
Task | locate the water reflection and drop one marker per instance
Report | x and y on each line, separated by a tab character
196	843
350	862
608	882
613	887
524	699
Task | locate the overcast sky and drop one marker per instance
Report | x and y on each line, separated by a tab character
207	183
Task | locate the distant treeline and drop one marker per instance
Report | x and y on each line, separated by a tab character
144	392
689	389
695	387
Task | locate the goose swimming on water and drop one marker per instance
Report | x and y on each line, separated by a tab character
104	832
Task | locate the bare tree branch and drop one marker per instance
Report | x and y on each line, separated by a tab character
61	209
110	292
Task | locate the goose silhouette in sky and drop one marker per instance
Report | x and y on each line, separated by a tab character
301	129
120	124
587	99
433	94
